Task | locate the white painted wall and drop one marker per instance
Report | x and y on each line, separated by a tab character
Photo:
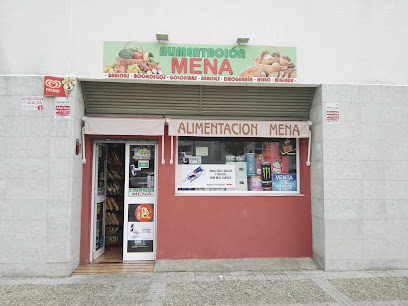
349	41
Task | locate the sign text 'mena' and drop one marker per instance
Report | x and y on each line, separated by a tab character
238	129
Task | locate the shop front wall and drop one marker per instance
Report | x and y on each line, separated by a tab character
233	226
193	227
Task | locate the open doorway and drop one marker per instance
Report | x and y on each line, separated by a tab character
124	201
109	202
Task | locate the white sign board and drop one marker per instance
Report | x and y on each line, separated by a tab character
332	113
202	151
62	108
194	159
140	230
32	103
206	176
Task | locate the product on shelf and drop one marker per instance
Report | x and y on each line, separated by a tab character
112	204
114	200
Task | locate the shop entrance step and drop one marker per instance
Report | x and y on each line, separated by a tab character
115	268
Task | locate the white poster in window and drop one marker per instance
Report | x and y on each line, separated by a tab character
143	164
140	230
202	151
206	176
194	159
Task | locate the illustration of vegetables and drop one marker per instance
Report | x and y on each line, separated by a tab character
134	60
125	54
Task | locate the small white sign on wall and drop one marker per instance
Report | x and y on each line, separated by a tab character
32	103
62	108
333	113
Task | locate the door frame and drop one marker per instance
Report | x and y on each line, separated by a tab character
93	201
126	199
90	142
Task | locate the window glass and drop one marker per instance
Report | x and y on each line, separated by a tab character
236	164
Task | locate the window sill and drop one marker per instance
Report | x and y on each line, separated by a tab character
235	194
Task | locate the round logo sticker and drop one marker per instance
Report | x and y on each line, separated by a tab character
144	212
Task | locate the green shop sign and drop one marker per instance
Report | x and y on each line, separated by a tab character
180	62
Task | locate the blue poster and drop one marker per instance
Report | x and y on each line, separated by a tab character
250	163
284	182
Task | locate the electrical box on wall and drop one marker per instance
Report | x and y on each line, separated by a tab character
77	147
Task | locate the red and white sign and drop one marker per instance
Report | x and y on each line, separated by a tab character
228	79
53	87
332	113
62	108
32	103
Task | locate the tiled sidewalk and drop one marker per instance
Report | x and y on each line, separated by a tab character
209	288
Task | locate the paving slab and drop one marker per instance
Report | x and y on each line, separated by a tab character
373	289
228	265
245	293
283	287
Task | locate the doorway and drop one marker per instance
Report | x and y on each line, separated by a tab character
124	201
109	181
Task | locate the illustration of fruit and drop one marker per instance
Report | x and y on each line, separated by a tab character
134	60
137	56
146	56
120	69
106	68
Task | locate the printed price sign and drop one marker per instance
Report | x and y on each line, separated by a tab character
62	108
333	113
32	103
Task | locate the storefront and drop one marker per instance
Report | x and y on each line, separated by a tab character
187	171
195	196
202	145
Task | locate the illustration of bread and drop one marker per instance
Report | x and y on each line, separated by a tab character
273	65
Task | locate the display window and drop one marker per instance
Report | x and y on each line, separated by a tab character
211	165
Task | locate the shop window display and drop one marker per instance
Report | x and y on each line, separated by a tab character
237	164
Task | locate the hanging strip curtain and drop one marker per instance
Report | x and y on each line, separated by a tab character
238	128
124	126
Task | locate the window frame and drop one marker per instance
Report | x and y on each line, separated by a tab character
235	193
